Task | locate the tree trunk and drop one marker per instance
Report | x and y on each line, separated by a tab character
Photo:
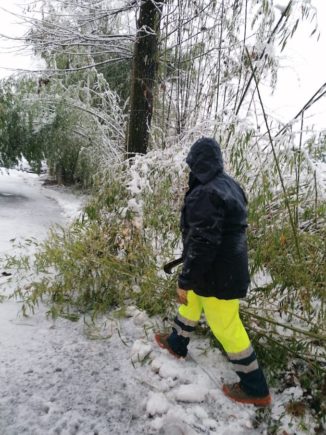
145	65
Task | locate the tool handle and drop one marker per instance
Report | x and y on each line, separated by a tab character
171	265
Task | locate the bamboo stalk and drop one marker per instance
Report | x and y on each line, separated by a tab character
298	173
287	202
276	28
283	325
298	355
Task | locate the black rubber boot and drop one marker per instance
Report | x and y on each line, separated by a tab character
174	343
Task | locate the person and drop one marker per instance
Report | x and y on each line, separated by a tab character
215	270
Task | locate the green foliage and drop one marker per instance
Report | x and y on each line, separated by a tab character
286	314
117	74
275	250
15	127
74	124
102	259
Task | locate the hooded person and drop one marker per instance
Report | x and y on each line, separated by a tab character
215	270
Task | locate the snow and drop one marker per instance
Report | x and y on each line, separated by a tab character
191	393
106	377
140	350
157	404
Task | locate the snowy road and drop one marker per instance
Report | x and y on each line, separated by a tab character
26	209
64	378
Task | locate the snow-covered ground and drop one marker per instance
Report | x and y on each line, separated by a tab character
106	378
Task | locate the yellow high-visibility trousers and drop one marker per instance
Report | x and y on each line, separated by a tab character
222	317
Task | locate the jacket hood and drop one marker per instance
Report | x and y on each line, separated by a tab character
205	159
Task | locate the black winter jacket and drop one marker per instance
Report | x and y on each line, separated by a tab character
213	225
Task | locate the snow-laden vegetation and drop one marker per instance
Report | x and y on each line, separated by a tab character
213	59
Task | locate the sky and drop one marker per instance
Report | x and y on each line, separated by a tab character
302	67
13	54
302	72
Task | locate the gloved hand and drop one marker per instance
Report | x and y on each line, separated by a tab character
182	296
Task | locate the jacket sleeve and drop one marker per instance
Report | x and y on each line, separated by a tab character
205	213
